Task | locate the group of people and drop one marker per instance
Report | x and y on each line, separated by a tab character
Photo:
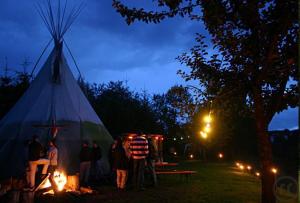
130	159
49	161
88	162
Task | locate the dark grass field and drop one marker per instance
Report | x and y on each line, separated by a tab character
213	183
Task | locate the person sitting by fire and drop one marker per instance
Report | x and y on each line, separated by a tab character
85	164
35	149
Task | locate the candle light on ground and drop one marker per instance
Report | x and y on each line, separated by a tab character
274	170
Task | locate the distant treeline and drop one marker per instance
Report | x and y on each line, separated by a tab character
175	114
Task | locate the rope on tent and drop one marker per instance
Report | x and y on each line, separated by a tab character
40	57
80	76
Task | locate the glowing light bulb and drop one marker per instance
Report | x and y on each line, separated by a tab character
207	119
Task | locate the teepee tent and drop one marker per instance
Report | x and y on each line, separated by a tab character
53	105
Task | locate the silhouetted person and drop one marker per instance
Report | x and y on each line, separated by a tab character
35	150
95	157
85	163
121	163
151	159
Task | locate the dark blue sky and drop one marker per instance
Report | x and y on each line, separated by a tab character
106	49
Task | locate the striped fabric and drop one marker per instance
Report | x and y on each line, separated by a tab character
139	147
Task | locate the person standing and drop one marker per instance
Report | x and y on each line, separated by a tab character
35	149
52	156
139	152
96	156
85	163
121	163
151	159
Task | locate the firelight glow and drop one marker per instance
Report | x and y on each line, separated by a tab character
220	155
60	180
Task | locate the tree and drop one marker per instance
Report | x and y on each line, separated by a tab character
256	42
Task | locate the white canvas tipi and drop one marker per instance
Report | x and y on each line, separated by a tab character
54	97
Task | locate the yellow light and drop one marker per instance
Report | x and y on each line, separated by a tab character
191	156
207	128
241	167
203	134
257	174
207	119
274	170
237	164
220	155
249	167
60	179
175	153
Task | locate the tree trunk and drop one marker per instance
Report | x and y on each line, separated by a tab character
265	151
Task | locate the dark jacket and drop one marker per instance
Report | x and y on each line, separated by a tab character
85	154
121	161
153	155
34	151
96	153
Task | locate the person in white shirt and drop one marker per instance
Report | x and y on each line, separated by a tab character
52	156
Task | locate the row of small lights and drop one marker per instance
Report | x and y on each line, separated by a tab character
249	168
207	129
181	138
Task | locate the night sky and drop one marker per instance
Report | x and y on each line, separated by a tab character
107	49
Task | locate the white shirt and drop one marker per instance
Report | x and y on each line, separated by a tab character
52	156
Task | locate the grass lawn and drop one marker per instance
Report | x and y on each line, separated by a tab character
213	183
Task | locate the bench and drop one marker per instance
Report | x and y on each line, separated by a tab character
162	164
182	173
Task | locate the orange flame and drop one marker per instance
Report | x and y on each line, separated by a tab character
60	180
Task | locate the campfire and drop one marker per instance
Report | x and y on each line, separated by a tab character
60	182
